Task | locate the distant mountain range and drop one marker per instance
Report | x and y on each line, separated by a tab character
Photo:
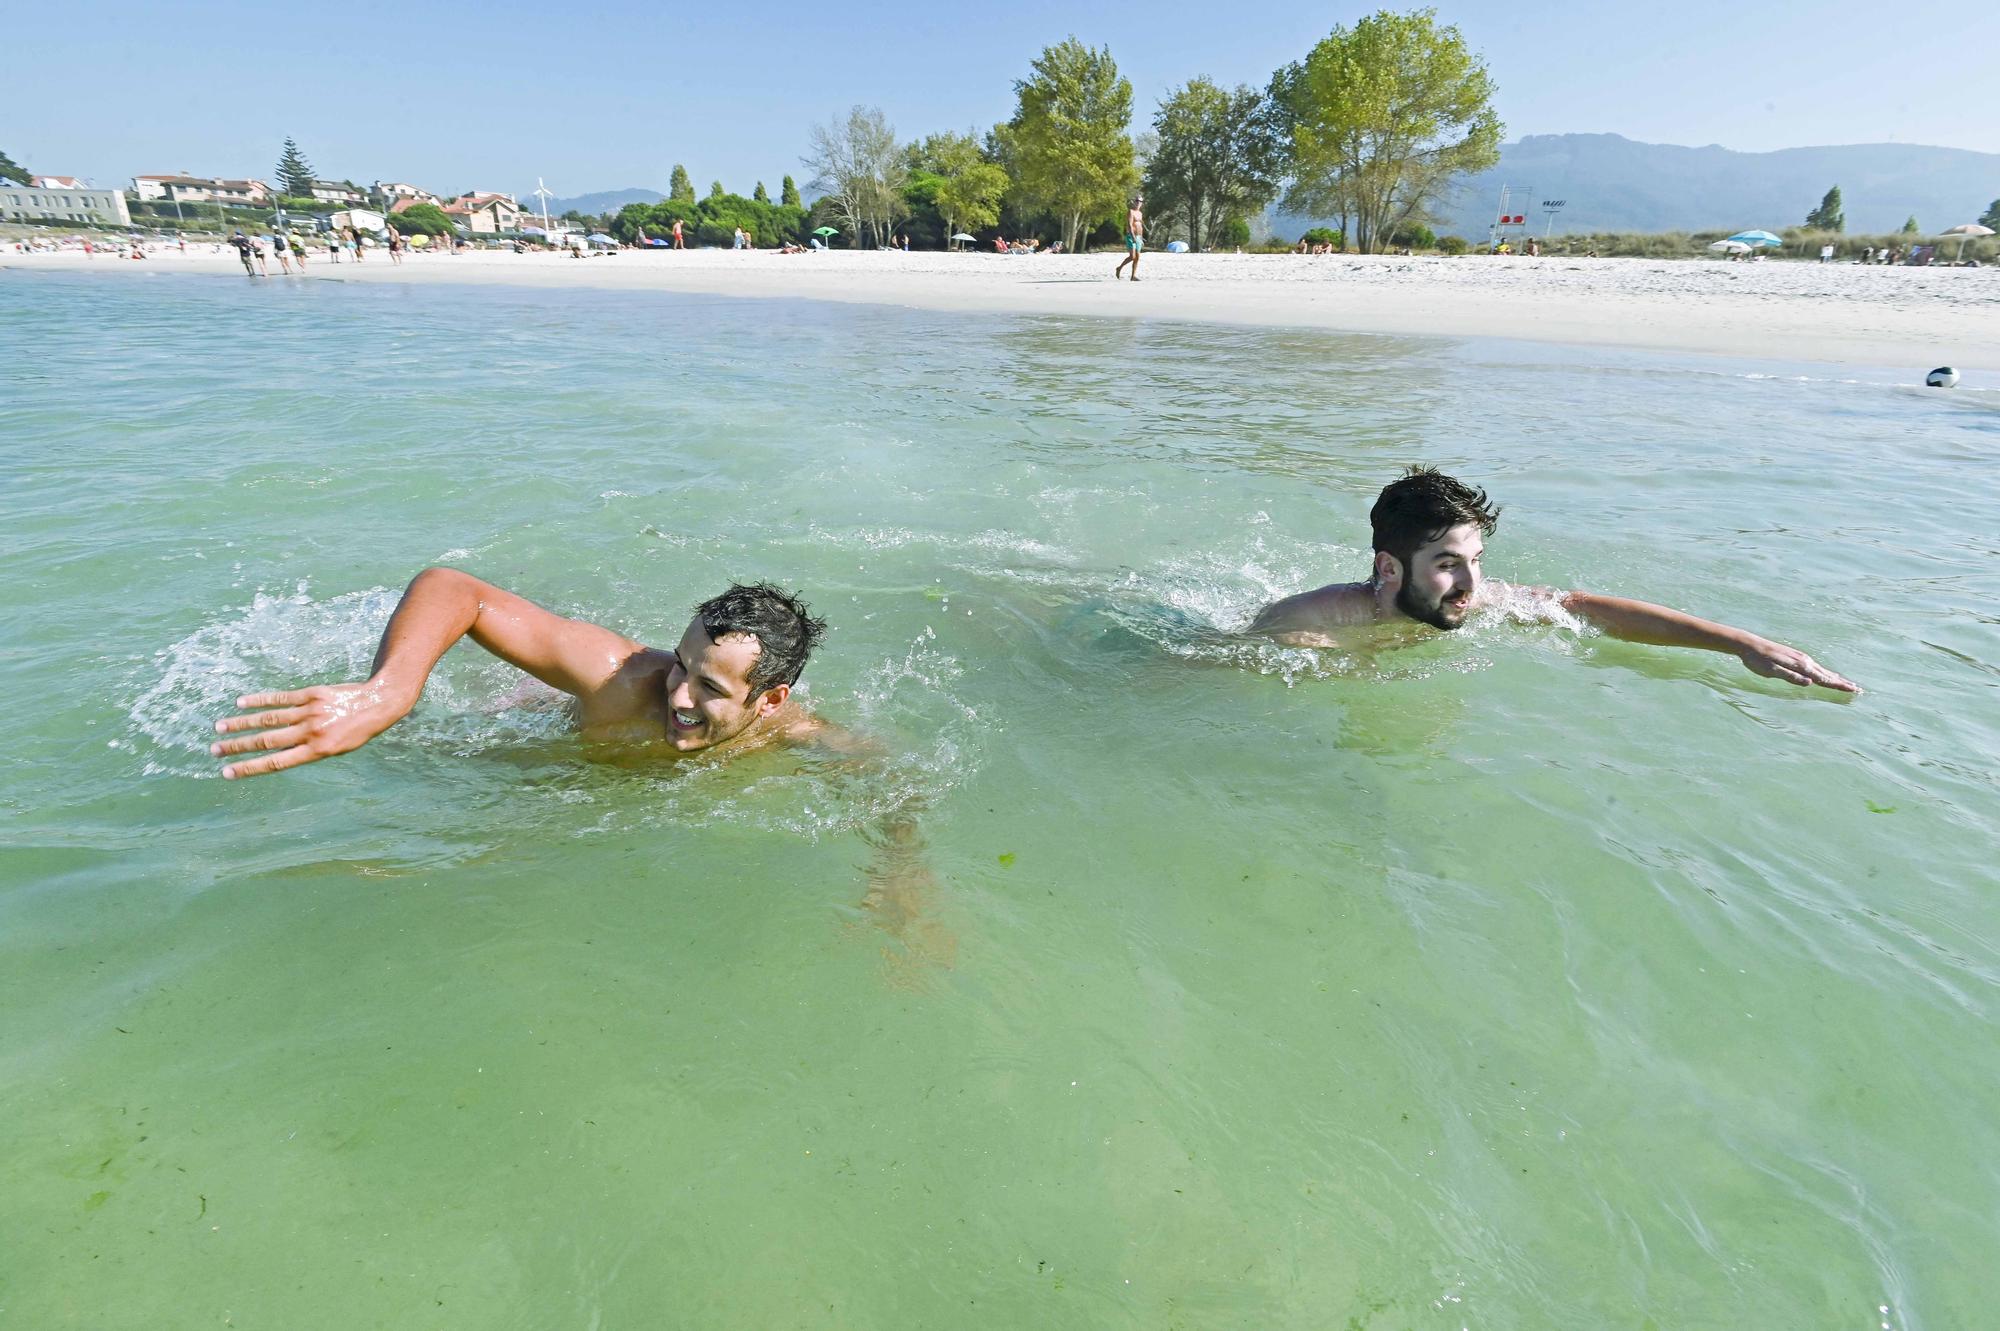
591	205
1611	183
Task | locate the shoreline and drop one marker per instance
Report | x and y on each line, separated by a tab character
1900	318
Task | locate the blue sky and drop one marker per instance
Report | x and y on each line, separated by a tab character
455	96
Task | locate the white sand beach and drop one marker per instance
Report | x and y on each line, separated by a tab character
1908	318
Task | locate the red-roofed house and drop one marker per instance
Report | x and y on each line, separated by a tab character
485	214
55	182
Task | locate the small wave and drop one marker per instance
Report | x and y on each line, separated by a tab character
476	705
285	641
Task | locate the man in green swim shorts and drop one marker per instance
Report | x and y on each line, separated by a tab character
1135	237
1429	531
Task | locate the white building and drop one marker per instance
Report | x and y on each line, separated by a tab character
200	189
338	191
388	191
44	203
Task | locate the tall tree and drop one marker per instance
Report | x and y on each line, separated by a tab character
1218	158
1828	216
1067	146
680	188
1910	226
295	174
715	190
760	194
1991	217
860	173
1380	118
788	195
12	170
970	185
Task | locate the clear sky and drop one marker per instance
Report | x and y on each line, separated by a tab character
453	95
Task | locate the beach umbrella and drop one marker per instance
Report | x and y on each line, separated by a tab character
1754	239
1730	247
973	239
533	231
599	238
825	231
1177	247
1966	231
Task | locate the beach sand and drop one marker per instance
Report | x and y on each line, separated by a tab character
1905	318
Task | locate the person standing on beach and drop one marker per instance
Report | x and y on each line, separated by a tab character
243	252
727	686
395	244
1135	237
677	235
280	252
1429	531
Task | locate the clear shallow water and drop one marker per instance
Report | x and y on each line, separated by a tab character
1522	979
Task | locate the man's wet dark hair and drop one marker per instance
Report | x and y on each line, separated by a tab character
785	630
1422	505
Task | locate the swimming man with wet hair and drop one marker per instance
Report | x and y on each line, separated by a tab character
1429	535
728	683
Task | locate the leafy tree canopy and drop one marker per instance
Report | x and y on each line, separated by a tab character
12	170
1910	227
1217	157
788	196
1828	216
760	194
1381	117
1991	217
1067	147
680	189
953	174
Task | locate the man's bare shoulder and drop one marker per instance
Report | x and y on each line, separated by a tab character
1310	619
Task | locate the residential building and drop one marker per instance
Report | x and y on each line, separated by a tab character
338	191
200	189
485	214
30	203
386	192
56	182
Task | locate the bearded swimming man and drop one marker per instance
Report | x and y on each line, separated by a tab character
1429	532
728	683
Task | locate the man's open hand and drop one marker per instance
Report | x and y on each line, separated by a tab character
1774	660
306	725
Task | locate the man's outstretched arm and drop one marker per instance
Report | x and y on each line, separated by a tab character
441	606
1641	621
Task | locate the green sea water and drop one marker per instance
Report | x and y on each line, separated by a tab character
1522	979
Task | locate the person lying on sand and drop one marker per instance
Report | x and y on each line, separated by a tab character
729	682
1428	540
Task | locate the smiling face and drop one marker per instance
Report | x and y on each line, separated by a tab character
709	700
1441	580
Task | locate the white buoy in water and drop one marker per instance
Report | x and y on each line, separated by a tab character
1942	377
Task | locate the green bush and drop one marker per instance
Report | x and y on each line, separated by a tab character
1324	235
1234	235
711	221
1453	245
426	219
1414	236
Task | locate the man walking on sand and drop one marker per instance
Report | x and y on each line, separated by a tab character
1135	236
677	235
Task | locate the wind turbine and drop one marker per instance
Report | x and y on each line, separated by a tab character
543	193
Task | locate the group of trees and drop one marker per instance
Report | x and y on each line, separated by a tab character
12	172
1370	127
715	219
